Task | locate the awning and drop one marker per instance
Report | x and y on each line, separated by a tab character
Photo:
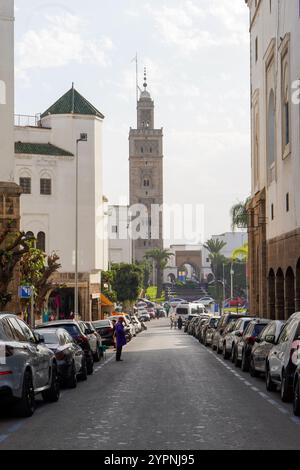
105	302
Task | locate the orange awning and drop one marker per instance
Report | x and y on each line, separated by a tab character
105	302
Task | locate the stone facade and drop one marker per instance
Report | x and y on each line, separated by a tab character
10	214
146	173
274	210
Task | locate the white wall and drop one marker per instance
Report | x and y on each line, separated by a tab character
55	214
274	27
120	245
6	89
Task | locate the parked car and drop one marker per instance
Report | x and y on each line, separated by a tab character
198	328
296	390
262	347
246	342
137	324
201	328
192	325
105	329
143	315
218	336
71	361
29	368
283	359
210	329
127	326
94	339
232	337
151	312
75	330
188	321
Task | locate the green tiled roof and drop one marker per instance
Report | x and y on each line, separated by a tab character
73	103
41	149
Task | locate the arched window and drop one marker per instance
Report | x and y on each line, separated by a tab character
41	241
271	130
256	148
286	109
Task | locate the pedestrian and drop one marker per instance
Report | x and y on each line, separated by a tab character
114	322
120	338
179	323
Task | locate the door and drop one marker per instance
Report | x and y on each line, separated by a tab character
279	354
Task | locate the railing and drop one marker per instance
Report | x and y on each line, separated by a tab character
23	120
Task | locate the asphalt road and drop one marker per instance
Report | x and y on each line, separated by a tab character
170	393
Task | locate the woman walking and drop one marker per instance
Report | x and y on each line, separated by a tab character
120	338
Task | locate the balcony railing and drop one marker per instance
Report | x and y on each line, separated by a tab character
23	120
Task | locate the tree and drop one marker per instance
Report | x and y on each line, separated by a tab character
241	253
214	247
127	282
161	259
13	246
239	215
36	270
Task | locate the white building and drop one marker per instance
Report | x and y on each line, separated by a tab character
233	240
275	207
6	89
120	243
45	162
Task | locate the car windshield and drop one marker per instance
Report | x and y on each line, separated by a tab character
71	329
50	337
182	311
102	324
259	328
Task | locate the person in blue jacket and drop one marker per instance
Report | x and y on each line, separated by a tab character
120	338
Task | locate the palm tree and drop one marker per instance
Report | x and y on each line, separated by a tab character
214	247
241	253
161	259
239	215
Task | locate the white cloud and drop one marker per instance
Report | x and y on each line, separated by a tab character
192	28
62	41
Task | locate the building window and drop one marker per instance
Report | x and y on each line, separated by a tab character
25	184
114	229
46	186
287	202
41	241
146	183
272	212
271	136
256	49
285	102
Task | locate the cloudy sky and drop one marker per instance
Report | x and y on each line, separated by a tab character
197	56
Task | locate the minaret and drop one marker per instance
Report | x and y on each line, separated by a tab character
146	171
6	90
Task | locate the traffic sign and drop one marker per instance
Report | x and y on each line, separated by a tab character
25	292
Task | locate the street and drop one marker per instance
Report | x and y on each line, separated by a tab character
170	393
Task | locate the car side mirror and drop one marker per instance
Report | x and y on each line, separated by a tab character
270	339
39	339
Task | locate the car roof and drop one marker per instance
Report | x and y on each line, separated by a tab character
58	323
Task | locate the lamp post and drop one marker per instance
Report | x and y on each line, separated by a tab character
83	138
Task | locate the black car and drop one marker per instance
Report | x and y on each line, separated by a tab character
105	329
247	341
297	392
71	361
75	330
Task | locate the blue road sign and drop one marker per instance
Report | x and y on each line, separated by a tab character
25	292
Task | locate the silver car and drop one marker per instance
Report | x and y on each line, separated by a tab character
27	366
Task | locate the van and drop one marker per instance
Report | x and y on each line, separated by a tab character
185	310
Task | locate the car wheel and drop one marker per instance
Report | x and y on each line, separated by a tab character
245	363
232	355
225	353
218	349
83	374
297	398
253	371
25	407
237	362
285	390
96	356
90	365
271	386
52	395
72	381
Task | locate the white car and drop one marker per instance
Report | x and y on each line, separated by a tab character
233	335
137	324
27	366
284	359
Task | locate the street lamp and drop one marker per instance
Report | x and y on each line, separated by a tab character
83	138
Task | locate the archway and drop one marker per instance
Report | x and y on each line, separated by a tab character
298	286
61	304
279	295
172	278
272	295
189	273
289	293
